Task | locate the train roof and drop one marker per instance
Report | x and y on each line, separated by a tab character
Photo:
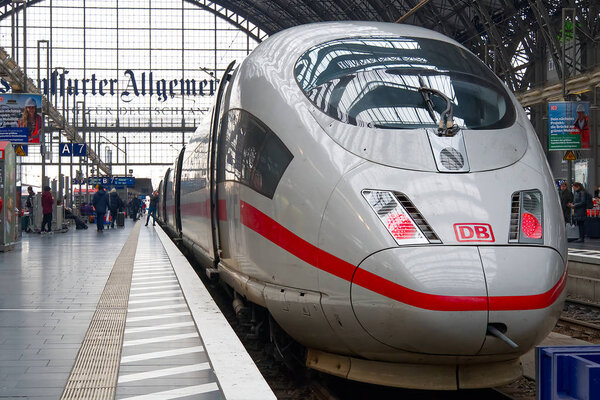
295	41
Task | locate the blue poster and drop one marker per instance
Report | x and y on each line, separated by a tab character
569	125
14	135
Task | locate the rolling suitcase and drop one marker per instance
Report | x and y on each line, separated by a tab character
120	219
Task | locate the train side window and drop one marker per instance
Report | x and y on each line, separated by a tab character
274	159
250	153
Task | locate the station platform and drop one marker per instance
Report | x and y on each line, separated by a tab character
119	314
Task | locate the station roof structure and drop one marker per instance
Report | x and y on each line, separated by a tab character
507	33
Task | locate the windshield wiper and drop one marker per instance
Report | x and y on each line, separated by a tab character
446	125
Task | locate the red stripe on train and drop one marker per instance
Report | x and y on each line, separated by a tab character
282	237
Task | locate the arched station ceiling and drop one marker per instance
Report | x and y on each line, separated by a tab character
510	35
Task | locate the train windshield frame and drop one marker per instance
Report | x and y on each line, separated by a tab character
374	82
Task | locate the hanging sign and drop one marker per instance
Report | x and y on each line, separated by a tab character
21	118
569	125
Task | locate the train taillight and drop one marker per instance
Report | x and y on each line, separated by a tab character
527	217
394	216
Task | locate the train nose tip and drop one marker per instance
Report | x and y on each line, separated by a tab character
459	300
423	299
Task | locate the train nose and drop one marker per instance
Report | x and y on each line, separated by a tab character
442	299
423	299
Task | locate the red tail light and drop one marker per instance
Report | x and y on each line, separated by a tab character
531	226
394	216
400	226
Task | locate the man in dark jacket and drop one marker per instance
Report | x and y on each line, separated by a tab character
135	208
100	203
566	197
30	197
152	208
579	207
47	202
115	204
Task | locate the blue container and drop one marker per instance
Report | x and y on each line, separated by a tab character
567	372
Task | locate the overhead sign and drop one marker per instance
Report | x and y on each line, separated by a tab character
21	118
570	156
569	125
123	181
73	149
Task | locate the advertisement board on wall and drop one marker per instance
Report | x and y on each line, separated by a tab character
569	126
21	118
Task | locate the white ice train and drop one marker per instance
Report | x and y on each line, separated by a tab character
384	196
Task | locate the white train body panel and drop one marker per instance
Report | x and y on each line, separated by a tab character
295	231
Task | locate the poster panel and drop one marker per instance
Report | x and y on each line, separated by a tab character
569	125
21	118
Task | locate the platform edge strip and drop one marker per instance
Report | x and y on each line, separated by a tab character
95	371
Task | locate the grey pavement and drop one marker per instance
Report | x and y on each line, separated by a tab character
49	288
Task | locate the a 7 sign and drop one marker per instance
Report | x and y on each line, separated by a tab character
73	149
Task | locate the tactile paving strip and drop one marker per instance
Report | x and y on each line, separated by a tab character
95	372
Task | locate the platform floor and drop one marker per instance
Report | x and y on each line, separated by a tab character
107	310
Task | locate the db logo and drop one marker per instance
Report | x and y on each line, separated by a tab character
474	233
554	108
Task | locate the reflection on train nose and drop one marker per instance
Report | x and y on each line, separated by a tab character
423	299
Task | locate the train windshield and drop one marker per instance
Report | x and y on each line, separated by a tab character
375	82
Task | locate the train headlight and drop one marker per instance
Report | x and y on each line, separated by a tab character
526	217
395	217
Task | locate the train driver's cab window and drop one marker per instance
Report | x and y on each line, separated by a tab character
375	82
250	153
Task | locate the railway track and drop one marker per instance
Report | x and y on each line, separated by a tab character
580	320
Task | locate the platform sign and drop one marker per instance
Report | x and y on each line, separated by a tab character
73	149
119	181
569	126
21	118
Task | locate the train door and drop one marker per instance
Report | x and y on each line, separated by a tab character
163	197
214	195
177	185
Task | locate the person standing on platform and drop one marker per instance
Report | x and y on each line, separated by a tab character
152	208
579	207
30	197
115	204
566	197
100	203
29	205
134	205
47	203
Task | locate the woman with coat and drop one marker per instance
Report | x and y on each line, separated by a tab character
566	198
115	204
47	203
579	209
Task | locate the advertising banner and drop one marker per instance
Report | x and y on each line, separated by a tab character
569	125
21	118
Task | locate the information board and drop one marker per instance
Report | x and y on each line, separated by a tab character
569	126
123	181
